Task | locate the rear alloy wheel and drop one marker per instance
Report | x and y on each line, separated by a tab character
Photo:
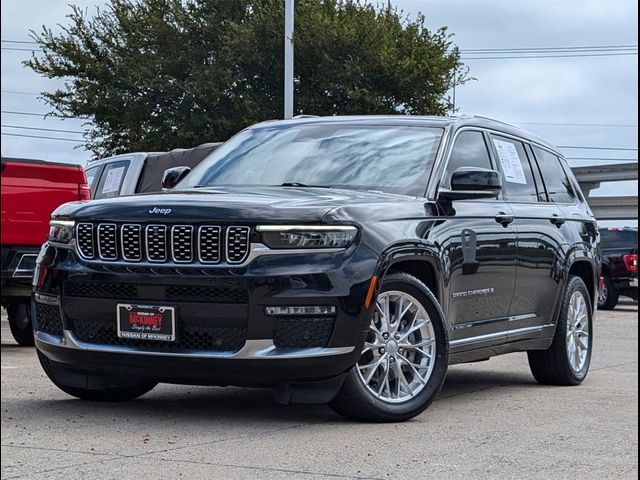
404	358
19	316
567	361
607	295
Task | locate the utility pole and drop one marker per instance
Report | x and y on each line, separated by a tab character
288	58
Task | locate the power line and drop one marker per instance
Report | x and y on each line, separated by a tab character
619	125
20	41
15	92
43	115
607	159
13	49
551	49
598	148
43	129
577	55
41	136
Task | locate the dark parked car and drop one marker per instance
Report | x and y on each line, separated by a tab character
619	265
346	260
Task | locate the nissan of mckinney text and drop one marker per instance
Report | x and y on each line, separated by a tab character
339	260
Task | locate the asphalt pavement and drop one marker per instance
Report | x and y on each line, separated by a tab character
490	421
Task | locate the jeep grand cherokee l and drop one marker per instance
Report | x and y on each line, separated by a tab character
346	260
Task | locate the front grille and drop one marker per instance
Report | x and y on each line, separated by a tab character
131	242
179	293
158	243
86	244
237	244
209	244
101	290
48	319
187	337
207	294
304	332
107	241
182	243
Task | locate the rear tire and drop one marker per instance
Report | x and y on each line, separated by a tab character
92	386
567	361
608	296
407	352
19	316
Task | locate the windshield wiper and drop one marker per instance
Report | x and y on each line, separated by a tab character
303	185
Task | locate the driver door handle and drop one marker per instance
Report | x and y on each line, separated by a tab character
557	220
504	218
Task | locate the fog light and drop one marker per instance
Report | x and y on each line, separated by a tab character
301	310
46	299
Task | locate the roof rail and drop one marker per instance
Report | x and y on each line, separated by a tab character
305	116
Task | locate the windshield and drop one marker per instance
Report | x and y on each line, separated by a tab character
396	159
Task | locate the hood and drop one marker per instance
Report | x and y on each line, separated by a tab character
226	204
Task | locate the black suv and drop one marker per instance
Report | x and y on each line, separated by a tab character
619	265
347	260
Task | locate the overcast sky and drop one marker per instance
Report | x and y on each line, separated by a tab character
584	90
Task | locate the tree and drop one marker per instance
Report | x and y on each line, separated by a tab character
159	74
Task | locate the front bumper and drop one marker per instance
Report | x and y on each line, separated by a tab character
267	355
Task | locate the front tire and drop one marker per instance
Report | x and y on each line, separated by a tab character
405	356
19	316
608	296
567	361
93	386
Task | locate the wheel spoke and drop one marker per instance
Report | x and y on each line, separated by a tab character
414	327
580	341
414	370
418	345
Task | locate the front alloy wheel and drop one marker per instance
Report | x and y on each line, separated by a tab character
404	358
398	356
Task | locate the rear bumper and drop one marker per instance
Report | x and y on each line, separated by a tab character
268	354
17	263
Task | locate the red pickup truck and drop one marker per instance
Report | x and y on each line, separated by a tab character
31	190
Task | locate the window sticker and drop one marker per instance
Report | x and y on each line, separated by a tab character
113	180
510	161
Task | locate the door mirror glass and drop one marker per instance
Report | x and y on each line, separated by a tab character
172	176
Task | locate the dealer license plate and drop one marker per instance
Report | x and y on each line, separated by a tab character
146	322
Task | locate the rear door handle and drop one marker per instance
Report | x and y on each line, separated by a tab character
557	220
504	218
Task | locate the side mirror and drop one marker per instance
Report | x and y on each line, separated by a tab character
172	176
472	182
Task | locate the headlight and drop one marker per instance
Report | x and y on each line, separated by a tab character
307	236
61	231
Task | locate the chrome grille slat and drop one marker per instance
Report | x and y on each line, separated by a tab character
86	243
209	244
131	242
237	244
107	241
163	243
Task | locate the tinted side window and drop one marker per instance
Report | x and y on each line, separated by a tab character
559	188
111	179
470	150
519	184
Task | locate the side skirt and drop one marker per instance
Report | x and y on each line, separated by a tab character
484	353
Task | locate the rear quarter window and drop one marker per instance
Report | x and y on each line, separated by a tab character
559	188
